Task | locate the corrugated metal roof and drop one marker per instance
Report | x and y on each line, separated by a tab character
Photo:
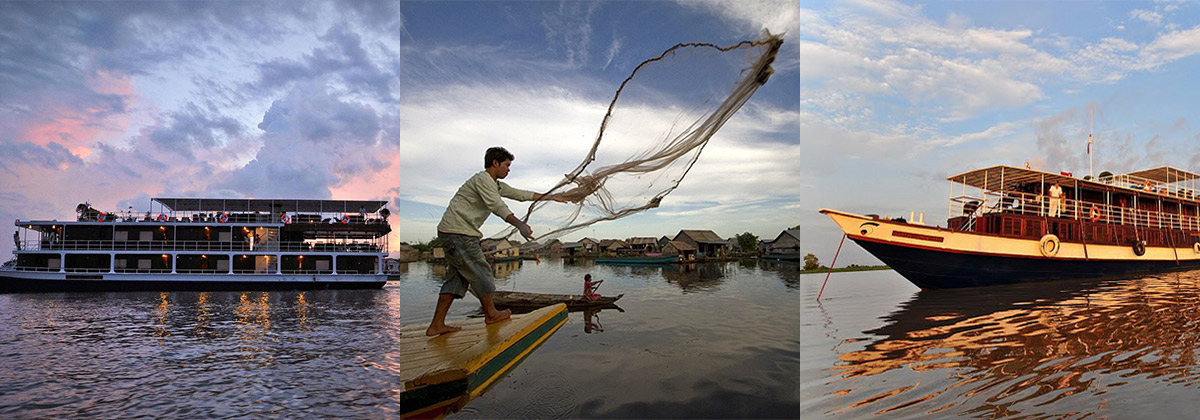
642	241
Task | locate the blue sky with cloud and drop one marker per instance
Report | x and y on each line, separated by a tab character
117	102
898	96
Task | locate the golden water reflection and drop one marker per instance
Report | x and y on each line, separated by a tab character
302	308
161	316
203	326
253	317
1025	349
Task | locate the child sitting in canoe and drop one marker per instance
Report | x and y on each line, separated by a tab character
589	288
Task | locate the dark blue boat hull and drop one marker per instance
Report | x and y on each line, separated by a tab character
939	269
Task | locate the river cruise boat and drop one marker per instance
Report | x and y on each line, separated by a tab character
1004	226
205	244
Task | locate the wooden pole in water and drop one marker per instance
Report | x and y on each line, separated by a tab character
835	255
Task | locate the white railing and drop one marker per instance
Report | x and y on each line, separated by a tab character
1040	206
1147	185
240	218
160	245
270	271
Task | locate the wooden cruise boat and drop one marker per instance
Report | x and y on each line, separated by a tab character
1003	227
205	244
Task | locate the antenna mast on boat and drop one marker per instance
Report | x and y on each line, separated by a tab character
1091	124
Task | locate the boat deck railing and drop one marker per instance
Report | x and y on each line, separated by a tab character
269	271
173	246
1040	206
1149	185
243	218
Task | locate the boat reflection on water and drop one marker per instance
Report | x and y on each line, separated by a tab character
591	314
1045	349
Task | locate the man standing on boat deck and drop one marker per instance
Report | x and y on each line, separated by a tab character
467	269
1056	200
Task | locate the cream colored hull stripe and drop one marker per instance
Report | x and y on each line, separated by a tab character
862	227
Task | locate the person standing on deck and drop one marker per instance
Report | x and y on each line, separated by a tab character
466	267
1056	200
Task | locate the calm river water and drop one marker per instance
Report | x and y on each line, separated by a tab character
876	347
718	340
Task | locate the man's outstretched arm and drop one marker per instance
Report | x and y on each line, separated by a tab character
523	227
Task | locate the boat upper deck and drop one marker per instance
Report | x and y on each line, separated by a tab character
302	215
273	206
202	225
1010	201
1162	182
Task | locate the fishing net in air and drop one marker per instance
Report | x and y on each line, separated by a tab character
657	124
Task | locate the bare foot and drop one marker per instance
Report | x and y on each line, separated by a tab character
497	317
439	330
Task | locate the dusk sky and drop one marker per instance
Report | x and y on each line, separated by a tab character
898	96
117	102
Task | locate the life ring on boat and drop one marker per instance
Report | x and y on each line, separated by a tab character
283	218
1139	248
1148	187
162	217
345	219
1196	247
1094	214
222	217
100	217
1049	245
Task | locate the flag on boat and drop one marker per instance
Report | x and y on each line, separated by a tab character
1089	148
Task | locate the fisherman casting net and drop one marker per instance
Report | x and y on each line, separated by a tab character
657	124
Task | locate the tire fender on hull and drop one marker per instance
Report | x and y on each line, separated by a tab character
1049	245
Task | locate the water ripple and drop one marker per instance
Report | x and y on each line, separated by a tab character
1029	351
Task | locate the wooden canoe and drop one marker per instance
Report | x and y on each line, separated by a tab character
441	374
537	300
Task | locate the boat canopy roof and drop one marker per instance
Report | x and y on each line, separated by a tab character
1165	174
270	205
1167	180
1002	177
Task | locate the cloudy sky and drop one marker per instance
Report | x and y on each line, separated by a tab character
117	102
898	96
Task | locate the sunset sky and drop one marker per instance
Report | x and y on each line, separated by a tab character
117	102
898	96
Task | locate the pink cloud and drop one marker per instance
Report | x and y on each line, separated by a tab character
78	129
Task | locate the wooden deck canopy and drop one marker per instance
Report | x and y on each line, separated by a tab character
270	205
